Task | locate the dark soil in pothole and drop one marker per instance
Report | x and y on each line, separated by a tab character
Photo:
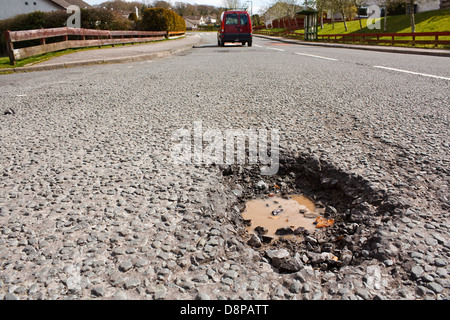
357	208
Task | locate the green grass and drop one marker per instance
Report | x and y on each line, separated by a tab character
274	30
431	21
4	61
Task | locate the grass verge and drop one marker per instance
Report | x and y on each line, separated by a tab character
430	21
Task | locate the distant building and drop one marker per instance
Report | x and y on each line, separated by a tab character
418	7
193	22
210	20
11	8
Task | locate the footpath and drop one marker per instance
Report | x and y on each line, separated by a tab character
391	49
117	54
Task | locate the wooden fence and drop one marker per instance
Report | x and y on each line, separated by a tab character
411	39
65	38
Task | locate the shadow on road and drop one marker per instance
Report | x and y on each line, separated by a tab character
216	46
205	46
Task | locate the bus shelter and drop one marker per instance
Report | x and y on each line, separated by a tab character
310	23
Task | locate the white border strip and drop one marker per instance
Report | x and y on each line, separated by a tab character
411	72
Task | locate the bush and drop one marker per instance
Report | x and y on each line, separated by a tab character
160	19
34	20
103	19
90	19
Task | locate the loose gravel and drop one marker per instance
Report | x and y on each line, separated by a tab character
92	206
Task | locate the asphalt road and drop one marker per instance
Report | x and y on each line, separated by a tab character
92	205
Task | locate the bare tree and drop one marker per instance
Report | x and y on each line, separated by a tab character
342	6
411	13
162	4
180	8
232	4
278	9
358	4
386	4
322	6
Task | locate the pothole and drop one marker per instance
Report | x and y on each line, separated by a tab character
348	209
273	216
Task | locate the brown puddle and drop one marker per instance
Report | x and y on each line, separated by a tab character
297	211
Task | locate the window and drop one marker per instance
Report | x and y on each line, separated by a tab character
244	19
231	19
34	3
26	3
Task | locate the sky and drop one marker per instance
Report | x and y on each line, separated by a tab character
257	4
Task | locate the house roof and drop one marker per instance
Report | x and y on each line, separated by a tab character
192	17
66	3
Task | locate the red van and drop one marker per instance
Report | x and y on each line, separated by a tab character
235	26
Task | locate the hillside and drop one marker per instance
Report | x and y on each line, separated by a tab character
431	21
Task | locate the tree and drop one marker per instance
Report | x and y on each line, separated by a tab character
120	5
180	8
342	6
386	4
280	9
322	6
232	4
256	20
396	6
162	4
391	7
411	13
358	4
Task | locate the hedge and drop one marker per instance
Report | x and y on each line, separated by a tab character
153	19
90	19
160	19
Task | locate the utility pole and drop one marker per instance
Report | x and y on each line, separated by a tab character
251	8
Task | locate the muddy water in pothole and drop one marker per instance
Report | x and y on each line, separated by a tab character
274	213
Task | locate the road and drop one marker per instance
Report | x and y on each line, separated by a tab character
93	206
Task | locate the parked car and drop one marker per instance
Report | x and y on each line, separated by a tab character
235	26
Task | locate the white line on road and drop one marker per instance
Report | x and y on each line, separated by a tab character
276	49
412	72
314	56
257	46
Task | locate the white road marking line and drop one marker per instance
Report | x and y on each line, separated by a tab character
314	56
412	72
257	46
276	49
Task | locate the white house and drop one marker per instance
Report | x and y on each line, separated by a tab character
210	20
11	8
